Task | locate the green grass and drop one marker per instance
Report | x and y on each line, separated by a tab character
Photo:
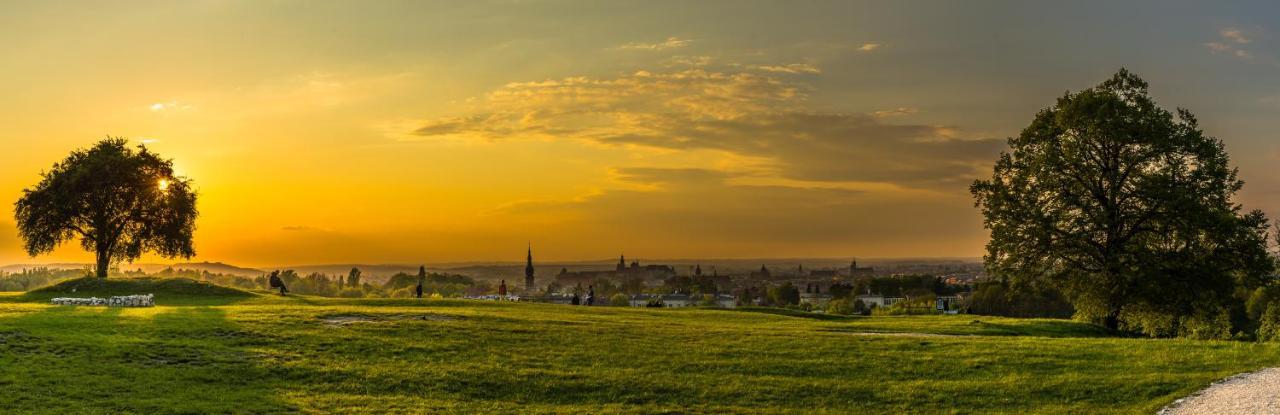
266	354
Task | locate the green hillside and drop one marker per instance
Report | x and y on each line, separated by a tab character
168	291
257	353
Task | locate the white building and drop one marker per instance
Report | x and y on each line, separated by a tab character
878	300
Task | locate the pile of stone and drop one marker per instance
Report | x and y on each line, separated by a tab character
116	301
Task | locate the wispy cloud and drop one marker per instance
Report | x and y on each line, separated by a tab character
746	114
168	106
1231	41
793	68
1234	35
671	43
894	112
868	47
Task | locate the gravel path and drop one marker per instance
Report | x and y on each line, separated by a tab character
1249	393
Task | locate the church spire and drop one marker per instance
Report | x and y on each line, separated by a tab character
528	269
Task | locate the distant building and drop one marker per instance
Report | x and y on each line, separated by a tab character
822	273
815	299
878	300
855	271
652	275
763	273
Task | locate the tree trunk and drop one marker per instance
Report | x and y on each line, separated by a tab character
104	261
1112	322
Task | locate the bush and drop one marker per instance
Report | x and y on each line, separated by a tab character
840	307
351	293
1269	326
1206	326
1261	300
1151	322
619	300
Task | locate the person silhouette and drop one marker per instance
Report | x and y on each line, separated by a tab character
591	295
418	289
502	290
276	282
576	300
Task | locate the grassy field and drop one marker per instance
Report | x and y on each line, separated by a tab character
227	352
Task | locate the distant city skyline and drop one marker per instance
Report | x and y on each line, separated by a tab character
403	133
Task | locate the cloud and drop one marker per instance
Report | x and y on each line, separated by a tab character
743	114
695	61
1218	47
1234	35
894	112
868	47
1230	44
794	68
671	43
168	106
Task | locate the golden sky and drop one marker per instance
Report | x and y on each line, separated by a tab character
408	132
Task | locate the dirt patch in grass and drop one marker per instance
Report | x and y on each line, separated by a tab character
338	320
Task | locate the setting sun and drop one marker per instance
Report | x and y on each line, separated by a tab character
163	184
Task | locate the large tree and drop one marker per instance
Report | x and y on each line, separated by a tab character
120	202
1127	208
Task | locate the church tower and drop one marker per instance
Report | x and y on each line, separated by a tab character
528	271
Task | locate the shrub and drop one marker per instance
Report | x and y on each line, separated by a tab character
351	293
841	307
1261	300
1269	326
619	300
1206	326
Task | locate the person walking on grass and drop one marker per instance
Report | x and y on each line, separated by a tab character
276	282
591	295
418	289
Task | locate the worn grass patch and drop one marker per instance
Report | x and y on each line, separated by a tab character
265	354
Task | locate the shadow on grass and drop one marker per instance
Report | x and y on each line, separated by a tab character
788	313
114	360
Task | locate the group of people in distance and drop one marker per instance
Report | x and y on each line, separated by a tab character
590	300
277	283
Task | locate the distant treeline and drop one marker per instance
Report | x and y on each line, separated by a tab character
352	285
30	279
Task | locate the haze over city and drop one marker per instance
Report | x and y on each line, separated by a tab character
389	132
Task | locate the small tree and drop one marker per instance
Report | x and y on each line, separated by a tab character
353	277
620	300
785	294
120	203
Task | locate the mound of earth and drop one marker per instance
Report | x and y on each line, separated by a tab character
166	290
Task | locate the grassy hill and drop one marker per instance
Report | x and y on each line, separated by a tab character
168	291
267	354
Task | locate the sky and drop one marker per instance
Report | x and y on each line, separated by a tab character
421	131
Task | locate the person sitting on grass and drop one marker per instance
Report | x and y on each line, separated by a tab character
276	282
